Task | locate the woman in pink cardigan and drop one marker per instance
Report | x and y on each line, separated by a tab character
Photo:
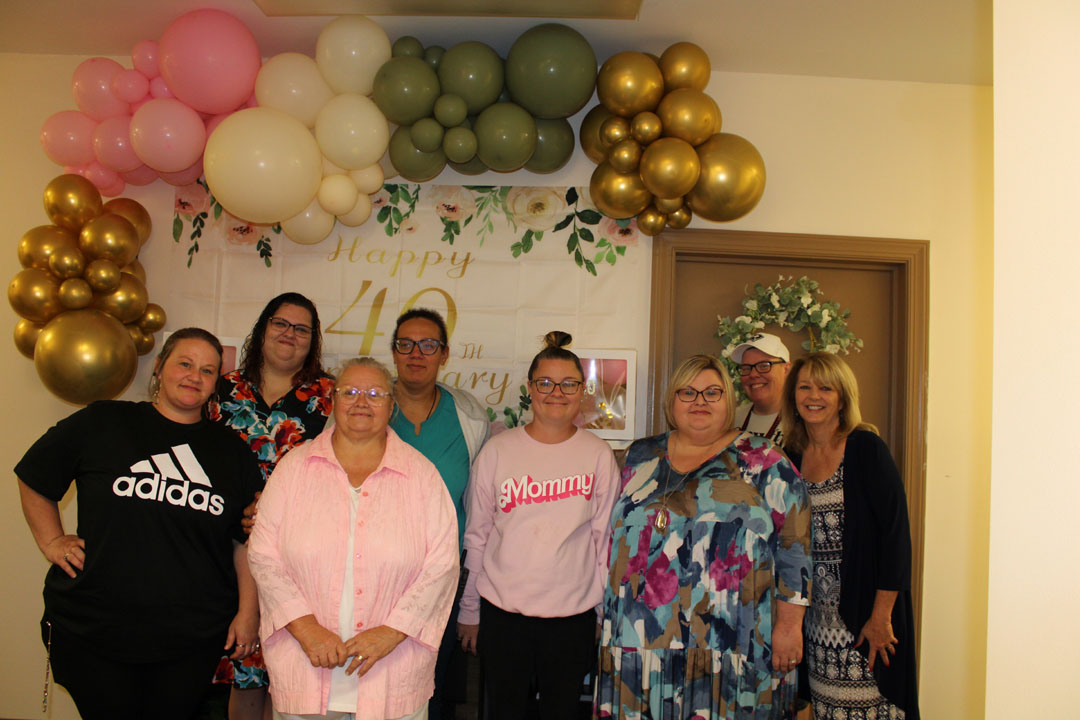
355	555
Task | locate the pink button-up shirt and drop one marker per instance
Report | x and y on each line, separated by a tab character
405	569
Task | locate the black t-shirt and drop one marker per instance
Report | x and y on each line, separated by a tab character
159	507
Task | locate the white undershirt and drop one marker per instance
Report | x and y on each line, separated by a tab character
344	689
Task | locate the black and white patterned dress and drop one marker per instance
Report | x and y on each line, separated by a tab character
841	684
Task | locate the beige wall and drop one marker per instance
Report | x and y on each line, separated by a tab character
844	157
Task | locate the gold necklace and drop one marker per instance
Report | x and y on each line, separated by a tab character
661	521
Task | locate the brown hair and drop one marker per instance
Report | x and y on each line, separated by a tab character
825	369
689	369
251	359
555	343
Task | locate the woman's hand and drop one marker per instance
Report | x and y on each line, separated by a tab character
244	633
370	647
879	633
248	520
467	634
323	648
787	640
67	551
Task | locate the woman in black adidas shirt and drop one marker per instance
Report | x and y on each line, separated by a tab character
141	599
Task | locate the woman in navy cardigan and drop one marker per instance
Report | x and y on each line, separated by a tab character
859	631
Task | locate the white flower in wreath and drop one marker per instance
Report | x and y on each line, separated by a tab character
832	348
758	324
536	208
775	300
806	299
751	305
825	317
742	319
781	318
726	352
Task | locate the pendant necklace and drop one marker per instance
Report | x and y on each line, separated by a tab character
663	518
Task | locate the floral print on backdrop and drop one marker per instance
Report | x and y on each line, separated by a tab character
524	216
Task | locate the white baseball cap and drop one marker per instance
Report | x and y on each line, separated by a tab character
766	343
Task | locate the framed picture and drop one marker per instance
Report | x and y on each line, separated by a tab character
608	402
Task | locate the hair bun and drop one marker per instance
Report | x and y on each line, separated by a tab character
557	339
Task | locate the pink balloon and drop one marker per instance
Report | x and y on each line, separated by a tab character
101	176
112	144
114	189
167	135
130	85
75	170
158	88
67	138
214	122
210	60
141	175
136	105
91	84
144	56
184	177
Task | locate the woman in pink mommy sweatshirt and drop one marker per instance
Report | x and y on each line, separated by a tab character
536	544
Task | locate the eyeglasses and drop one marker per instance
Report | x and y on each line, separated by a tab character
375	396
428	346
282	325
546	386
762	367
712	394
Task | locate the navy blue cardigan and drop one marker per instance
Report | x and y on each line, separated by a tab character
876	555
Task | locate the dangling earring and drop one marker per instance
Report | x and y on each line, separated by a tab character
155	387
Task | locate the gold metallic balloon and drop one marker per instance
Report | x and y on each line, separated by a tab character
71	201
625	155
35	295
685	65
614	130
109	237
618	195
26	335
152	319
85	355
39	243
134	213
103	275
668	205
688	114
75	293
629	82
589	134
127	302
645	127
669	167
67	262
144	341
678	219
651	221
135	268
732	178
719	116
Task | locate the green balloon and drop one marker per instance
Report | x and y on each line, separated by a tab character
414	164
475	166
473	71
433	56
450	110
405	89
407	46
554	145
505	136
459	144
426	134
551	71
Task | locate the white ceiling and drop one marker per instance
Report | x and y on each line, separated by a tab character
940	41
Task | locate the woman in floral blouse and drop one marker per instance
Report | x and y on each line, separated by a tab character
278	398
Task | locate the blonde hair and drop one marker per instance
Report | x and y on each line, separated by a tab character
369	362
824	369
686	372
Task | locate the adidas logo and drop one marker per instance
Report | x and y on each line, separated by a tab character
161	485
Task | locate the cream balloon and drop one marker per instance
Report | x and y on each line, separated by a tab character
337	194
310	226
352	132
262	165
349	51
368	180
329	168
291	82
359	213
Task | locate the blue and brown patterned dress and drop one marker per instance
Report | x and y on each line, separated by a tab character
689	610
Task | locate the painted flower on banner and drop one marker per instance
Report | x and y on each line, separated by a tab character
619	232
238	232
379	199
451	202
537	208
192	208
192	200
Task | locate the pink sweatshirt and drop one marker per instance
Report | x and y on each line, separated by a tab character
538	525
405	571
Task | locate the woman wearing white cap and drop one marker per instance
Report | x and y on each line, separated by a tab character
763	367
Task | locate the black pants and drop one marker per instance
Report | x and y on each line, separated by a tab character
106	689
449	672
514	649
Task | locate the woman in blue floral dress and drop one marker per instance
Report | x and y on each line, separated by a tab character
709	567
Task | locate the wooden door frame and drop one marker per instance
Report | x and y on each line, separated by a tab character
908	261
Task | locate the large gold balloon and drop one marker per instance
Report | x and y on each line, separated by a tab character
135	268
669	167
589	134
678	219
134	213
645	127
109	237
685	65
688	114
668	205
85	355
26	335
732	178
103	275
38	244
67	262
71	201
625	155
127	302
618	195
651	221
628	83
152	319
35	295
75	293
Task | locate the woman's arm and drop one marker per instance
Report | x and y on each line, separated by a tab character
787	639
479	514
244	629
43	517
878	630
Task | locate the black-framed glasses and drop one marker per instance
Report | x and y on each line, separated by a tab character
281	325
763	367
712	394
546	386
428	346
375	396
